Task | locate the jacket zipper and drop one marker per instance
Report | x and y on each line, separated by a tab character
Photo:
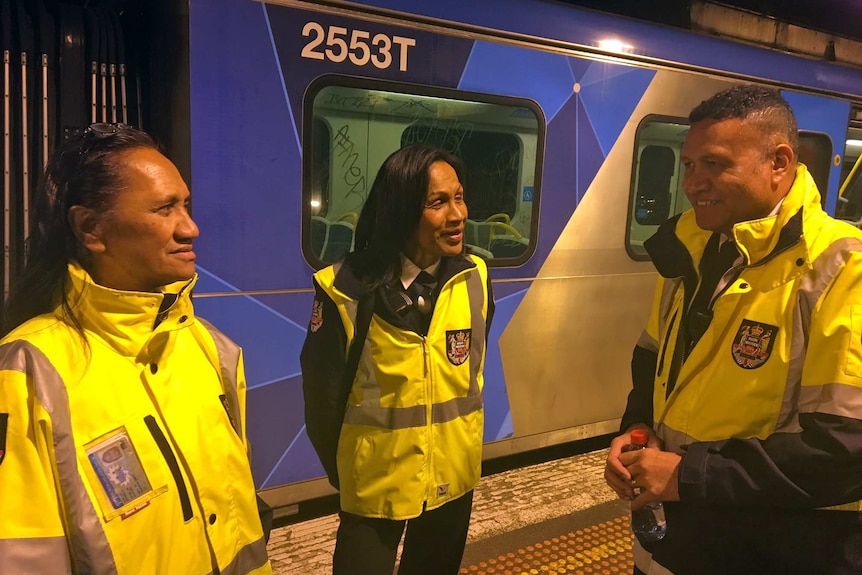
680	351
174	466
426	359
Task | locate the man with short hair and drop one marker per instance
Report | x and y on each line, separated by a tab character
748	376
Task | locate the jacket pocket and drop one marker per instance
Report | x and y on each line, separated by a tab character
173	465
124	471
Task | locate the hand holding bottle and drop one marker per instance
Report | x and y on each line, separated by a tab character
648	522
617	476
654	473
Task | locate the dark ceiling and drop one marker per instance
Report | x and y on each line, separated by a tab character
842	17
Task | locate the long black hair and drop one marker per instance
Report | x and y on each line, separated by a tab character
84	171
392	212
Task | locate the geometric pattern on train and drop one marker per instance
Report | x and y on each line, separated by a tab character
243	149
274	382
587	104
583	123
245	154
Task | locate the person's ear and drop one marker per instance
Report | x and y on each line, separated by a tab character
87	228
783	162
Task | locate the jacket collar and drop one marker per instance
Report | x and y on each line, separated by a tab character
126	320
347	282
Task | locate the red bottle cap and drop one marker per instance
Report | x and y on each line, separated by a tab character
639	436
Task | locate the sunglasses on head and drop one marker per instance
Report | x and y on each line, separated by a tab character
102	129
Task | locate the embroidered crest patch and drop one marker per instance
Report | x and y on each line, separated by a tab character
753	343
458	346
316	316
4	419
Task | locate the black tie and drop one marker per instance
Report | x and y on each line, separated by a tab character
713	266
422	287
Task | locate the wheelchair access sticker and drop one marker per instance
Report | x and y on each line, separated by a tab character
119	469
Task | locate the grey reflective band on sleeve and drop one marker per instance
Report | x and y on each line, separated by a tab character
648	342
668	291
811	288
351	307
251	557
673	439
87	540
228	356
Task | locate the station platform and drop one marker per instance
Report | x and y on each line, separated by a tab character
557	517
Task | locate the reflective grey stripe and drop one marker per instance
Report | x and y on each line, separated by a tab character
249	558
87	541
370	412
385	417
228	355
368	380
461	406
832	398
788	416
811	288
648	342
673	439
43	555
351	307
668	291
456	407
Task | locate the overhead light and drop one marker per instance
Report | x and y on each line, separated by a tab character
615	45
854	143
315	203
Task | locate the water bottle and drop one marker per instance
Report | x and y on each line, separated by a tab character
648	522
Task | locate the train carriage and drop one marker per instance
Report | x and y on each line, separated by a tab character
570	123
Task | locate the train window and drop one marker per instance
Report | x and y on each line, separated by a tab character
351	125
815	151
850	193
321	138
656	179
656	167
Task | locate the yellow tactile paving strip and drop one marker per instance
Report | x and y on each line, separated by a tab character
605	548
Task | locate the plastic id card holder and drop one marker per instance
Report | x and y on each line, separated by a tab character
125	487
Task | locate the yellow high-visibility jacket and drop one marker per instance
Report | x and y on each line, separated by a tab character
127	455
765	408
411	436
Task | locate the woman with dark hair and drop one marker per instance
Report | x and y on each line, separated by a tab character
392	372
122	424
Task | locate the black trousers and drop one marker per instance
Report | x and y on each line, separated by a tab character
721	541
433	545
